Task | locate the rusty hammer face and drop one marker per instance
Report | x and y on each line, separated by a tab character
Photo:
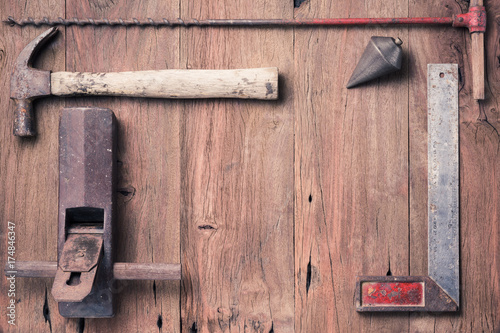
28	83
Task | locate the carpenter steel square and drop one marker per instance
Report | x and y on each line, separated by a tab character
443	180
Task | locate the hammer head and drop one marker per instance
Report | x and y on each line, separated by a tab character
28	83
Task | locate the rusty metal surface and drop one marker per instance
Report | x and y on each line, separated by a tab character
420	293
81	252
227	22
393	293
443	180
27	83
86	198
382	55
475	19
71	286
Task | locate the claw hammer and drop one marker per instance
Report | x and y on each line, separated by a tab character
28	83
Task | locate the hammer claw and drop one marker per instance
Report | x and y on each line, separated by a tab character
26	56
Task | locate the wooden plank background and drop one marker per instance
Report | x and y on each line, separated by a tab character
272	208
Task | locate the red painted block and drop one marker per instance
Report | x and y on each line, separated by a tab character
392	294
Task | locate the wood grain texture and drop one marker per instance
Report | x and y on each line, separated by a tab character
250	83
147	217
154	271
351	170
477	64
29	172
121	270
237	181
476	3
477	59
480	200
478	153
356	175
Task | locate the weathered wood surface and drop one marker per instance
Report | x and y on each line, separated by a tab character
29	174
477	53
351	171
271	207
248	83
148	156
477	60
237	180
479	166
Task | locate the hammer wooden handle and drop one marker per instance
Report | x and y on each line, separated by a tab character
258	83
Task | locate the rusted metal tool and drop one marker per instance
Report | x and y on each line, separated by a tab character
474	20
469	20
382	55
440	290
28	83
85	270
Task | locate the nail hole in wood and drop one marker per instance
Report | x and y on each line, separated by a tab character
46	311
309	275
159	322
205	227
